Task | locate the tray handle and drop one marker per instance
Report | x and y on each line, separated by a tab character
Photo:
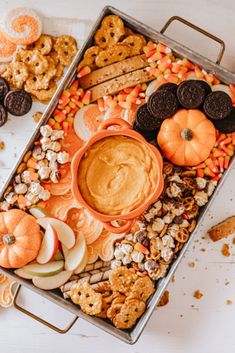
39	319
198	29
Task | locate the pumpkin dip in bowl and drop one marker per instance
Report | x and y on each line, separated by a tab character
117	175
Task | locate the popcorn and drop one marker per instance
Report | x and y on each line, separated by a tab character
44	194
166	254
127	249
172	229
201	198
126	260
158	225
45	143
25	176
38	154
184	224
178	210
118	252
150	265
54	176
4	206
168	241
32	198
53	165
42	163
173	190
157	205
55	146
20	188
211	187
57	135
35	188
137	256
11	198
158	244
201	183
168	218
46	130
44	172
62	157
51	156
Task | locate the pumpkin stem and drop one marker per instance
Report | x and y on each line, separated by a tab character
8	239
187	134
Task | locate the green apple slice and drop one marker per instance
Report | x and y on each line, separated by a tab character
44	270
21	273
52	282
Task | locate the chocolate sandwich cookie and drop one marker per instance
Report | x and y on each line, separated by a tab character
218	105
162	104
226	125
145	120
4	88
3	115
192	93
18	102
148	135
169	86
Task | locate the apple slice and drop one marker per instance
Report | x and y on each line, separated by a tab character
45	270
38	212
49	246
64	232
21	273
76	255
52	282
83	263
65	250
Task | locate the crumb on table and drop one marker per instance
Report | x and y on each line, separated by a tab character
198	294
36	117
2	145
164	299
225	250
191	264
229	302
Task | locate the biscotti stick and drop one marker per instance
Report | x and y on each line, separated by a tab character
94	277
117	84
90	267
114	70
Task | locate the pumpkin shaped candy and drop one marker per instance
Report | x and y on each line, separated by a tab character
20	238
187	138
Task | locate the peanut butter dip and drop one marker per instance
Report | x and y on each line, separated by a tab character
117	175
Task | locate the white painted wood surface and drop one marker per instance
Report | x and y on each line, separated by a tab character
185	324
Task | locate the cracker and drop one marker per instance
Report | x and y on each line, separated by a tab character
89	301
122	280
131	310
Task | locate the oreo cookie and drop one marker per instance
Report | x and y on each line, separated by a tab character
226	125
218	105
148	135
4	88
169	86
162	104
192	93
145	120
3	115
18	102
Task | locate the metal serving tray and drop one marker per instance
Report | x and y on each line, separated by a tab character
128	336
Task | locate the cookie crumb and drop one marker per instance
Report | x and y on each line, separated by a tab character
229	302
36	117
225	250
164	299
203	249
191	264
233	241
173	279
198	294
2	145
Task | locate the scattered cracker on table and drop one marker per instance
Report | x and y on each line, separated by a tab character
37	116
225	250
2	145
198	294
164	299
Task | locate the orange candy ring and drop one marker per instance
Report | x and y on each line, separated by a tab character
22	26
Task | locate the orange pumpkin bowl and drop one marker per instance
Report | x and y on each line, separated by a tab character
125	129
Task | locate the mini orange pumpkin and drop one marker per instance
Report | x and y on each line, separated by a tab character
187	138
20	238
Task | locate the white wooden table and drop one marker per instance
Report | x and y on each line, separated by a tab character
185	324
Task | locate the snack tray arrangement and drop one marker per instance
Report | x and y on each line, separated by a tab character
224	75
